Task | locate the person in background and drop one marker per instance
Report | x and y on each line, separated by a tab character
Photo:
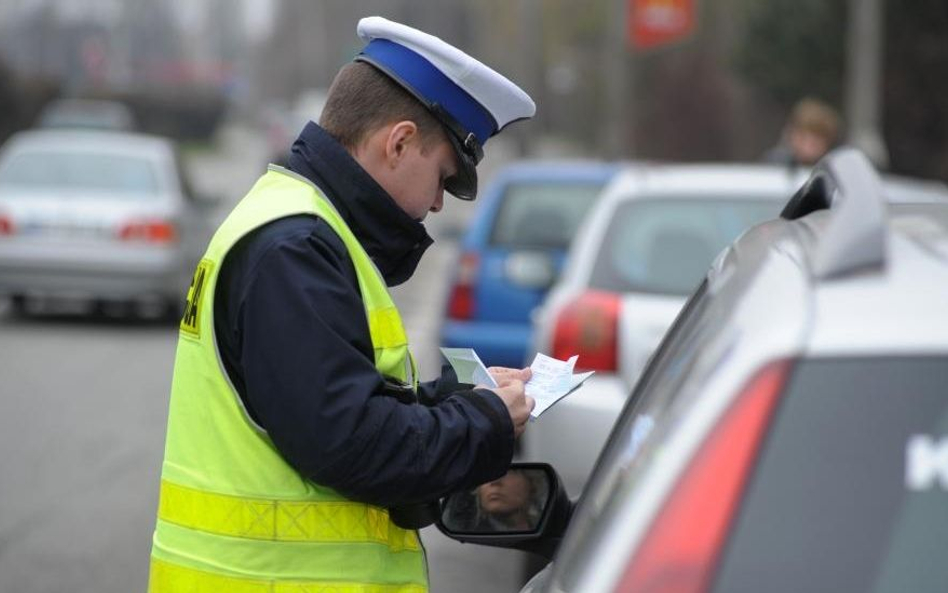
302	451
812	130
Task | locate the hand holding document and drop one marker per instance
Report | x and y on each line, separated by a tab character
551	381
468	367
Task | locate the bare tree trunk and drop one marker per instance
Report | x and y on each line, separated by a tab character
863	79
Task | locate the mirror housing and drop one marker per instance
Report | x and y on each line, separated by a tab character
488	515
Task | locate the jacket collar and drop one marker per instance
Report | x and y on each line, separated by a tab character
392	238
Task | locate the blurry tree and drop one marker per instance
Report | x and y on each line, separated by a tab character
721	94
792	48
311	40
21	99
687	96
679	102
915	108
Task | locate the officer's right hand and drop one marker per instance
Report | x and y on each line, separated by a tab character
519	405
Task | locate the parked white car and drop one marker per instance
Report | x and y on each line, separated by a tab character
643	249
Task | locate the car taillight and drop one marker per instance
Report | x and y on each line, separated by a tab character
588	327
150	231
681	548
461	299
6	226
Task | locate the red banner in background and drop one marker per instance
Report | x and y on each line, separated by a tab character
658	22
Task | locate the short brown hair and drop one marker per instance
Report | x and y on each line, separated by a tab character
815	116
362	99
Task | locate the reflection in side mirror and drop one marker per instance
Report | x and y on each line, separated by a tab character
514	503
527	509
530	269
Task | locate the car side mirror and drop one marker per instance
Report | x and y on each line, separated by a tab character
526	509
530	269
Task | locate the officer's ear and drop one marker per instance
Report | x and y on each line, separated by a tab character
401	135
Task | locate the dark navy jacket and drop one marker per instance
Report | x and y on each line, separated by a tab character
293	337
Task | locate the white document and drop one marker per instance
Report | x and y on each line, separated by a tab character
468	366
552	380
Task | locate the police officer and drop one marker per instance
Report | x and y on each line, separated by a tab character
296	420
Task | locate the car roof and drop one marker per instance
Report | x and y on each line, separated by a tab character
100	140
556	170
77	113
871	275
711	179
896	306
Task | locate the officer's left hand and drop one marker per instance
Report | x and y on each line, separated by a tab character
501	374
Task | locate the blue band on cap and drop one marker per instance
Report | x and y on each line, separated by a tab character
431	84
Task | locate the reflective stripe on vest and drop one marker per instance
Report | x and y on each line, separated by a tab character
280	520
233	515
170	577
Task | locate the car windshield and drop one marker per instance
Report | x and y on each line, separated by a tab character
665	245
544	215
81	171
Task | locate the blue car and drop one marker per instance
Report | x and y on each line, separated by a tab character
513	251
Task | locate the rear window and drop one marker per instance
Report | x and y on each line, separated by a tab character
544	215
83	171
665	246
851	489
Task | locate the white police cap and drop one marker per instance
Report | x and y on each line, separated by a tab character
471	100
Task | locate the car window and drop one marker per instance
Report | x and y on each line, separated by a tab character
544	215
86	171
665	245
851	489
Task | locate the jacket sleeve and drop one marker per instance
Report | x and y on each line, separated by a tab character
431	392
309	377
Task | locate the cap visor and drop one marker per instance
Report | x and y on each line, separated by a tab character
462	185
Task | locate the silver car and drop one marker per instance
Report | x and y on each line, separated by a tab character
791	431
96	218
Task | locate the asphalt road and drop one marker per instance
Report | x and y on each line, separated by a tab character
84	408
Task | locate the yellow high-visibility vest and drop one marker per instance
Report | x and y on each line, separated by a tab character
233	515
